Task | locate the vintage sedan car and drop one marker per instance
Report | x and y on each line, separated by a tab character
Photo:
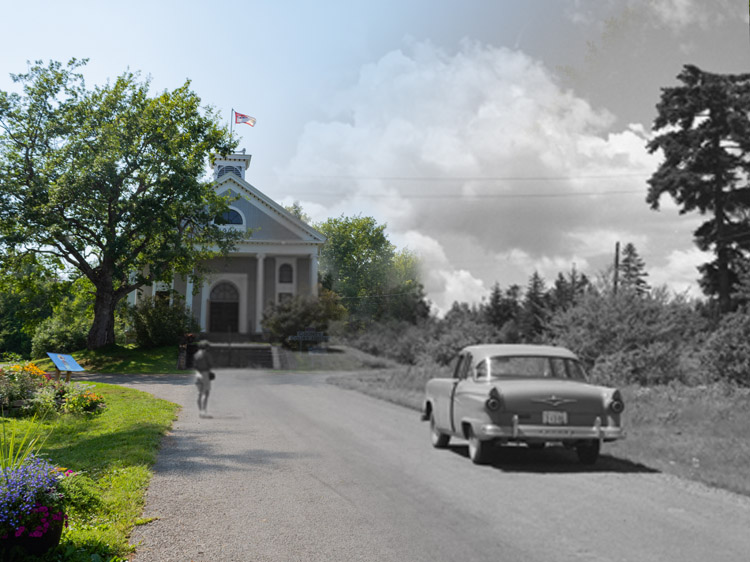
530	394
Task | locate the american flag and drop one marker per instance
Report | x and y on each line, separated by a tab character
242	118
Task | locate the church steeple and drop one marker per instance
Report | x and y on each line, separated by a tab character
236	164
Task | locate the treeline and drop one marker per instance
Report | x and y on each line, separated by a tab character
624	331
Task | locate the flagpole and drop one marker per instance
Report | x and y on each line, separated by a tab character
231	118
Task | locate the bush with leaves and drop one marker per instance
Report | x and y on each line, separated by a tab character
20	382
80	399
283	320
63	332
726	354
157	322
399	340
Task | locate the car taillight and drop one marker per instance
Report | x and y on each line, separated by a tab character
494	402
616	405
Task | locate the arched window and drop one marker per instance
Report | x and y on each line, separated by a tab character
286	273
230	217
225	292
229	170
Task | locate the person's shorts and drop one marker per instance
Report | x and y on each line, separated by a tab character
203	383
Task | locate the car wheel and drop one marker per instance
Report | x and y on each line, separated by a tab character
439	439
479	451
589	453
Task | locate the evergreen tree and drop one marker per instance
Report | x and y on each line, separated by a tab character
502	311
704	127
534	309
567	290
632	271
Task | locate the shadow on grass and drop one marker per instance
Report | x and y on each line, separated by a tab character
552	460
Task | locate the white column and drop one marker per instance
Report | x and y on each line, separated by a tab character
259	294
189	294
204	304
314	273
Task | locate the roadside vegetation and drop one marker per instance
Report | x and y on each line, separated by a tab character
112	454
699	432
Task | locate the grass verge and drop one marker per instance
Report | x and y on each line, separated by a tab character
116	450
698	433
115	359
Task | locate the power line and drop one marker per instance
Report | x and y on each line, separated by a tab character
470	196
465	178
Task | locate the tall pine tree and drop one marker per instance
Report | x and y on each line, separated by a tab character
632	271
704	134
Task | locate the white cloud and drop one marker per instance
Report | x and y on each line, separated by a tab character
680	271
482	163
676	15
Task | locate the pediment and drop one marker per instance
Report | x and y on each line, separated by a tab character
269	220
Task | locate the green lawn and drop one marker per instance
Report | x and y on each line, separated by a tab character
122	359
115	450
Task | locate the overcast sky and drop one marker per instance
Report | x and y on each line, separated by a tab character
495	138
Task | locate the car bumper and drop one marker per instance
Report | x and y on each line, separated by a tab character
520	432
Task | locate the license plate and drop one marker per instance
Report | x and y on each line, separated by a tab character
554	418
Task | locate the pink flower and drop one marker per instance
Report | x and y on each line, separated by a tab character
20	531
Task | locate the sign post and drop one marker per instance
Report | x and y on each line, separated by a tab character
65	363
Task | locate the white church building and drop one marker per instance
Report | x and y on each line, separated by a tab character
277	262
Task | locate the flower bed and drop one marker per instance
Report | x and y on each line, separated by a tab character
34	496
26	390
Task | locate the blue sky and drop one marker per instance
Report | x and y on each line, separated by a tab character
495	138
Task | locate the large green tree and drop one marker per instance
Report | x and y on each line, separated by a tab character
362	266
703	130
109	181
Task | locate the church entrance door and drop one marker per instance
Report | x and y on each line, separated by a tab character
224	308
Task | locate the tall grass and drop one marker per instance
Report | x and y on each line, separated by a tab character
20	441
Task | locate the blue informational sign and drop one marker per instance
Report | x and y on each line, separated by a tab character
65	362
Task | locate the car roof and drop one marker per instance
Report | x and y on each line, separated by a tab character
482	351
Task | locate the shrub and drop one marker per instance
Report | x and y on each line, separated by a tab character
658	363
80	399
726	355
20	382
628	337
158	323
63	332
41	395
285	319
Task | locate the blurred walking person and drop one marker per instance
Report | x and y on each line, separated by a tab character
203	376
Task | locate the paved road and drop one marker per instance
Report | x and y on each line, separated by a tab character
291	468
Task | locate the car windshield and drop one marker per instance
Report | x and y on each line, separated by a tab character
529	366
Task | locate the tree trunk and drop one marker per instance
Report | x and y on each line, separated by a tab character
722	261
102	331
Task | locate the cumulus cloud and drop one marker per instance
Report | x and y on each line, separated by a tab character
481	162
680	271
676	15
